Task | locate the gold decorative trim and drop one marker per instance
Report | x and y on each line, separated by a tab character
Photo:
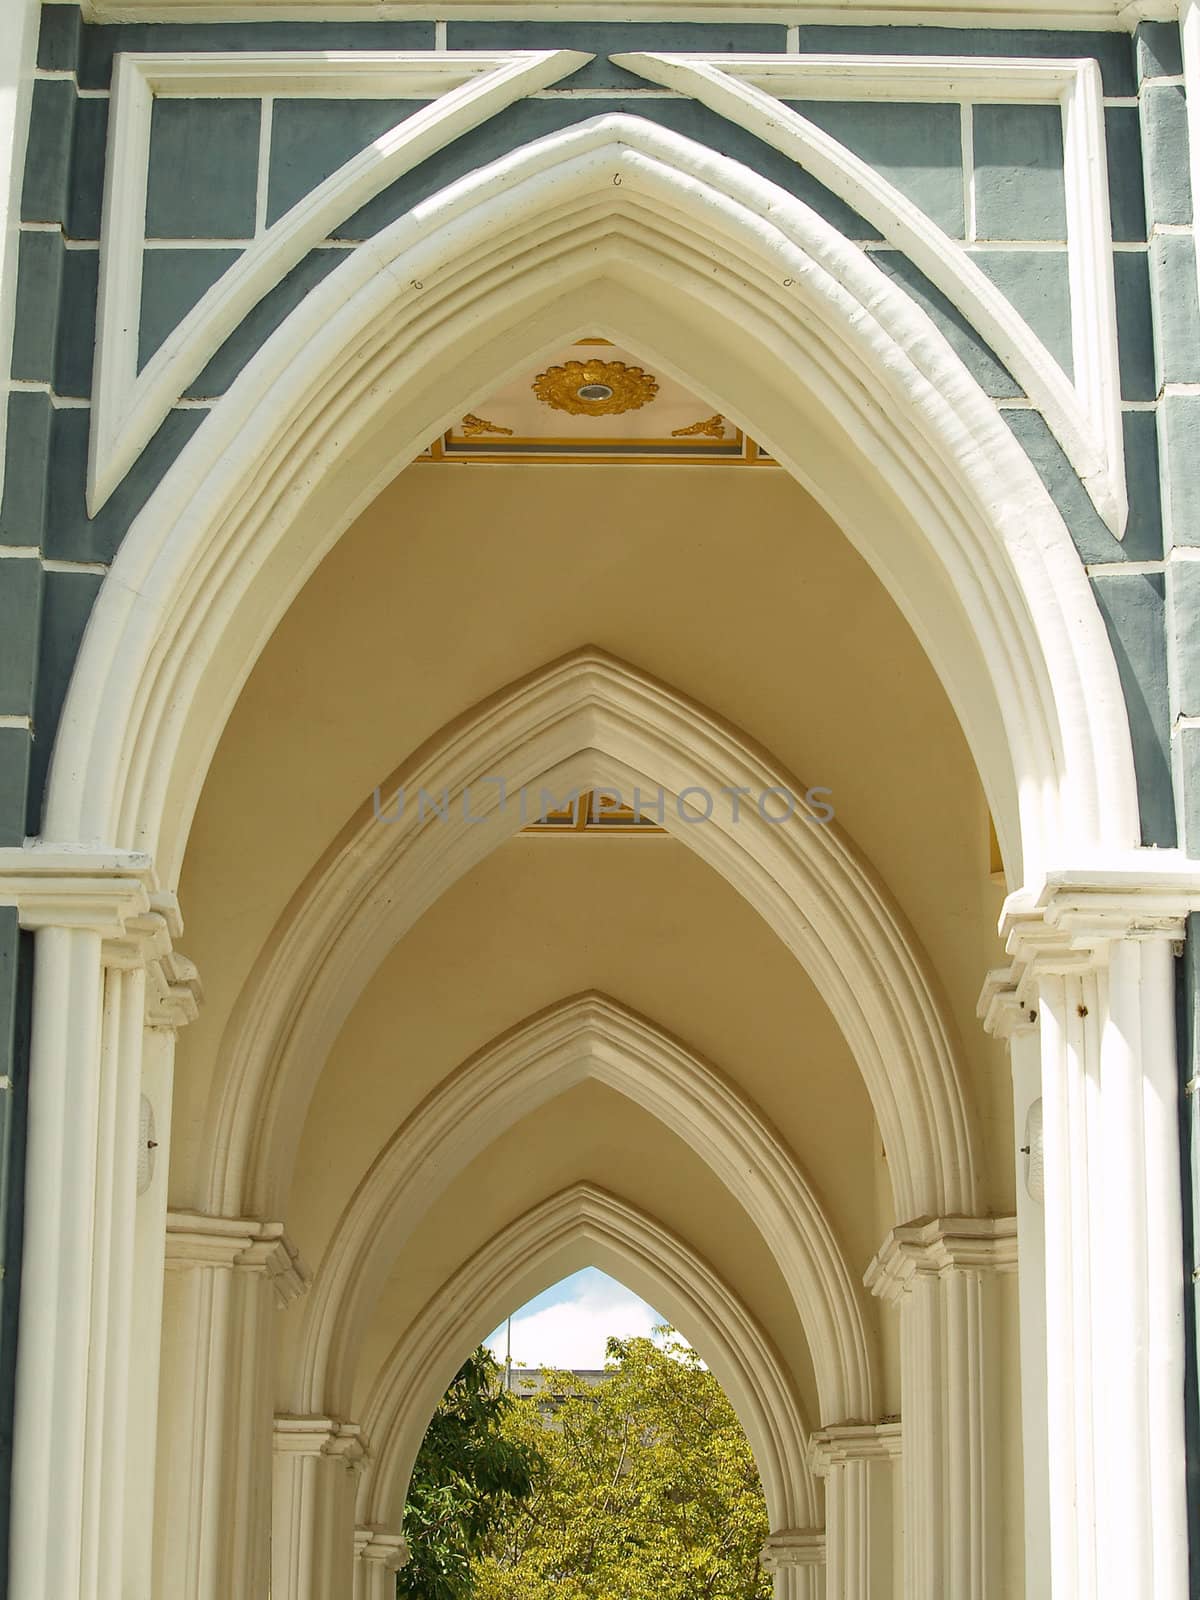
618	388
711	428
473	427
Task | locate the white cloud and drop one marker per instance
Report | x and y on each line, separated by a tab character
573	1332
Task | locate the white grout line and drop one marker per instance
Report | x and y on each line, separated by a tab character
967	134
792	43
1139	405
1172	389
1130	246
1120	100
607	94
198	244
266	110
1133	569
96	567
59	402
1185	722
1015	403
1184	552
16	722
18	552
439	36
184	404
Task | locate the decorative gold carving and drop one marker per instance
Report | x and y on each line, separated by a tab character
473	426
711	428
624	388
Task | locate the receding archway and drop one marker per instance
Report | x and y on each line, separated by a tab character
588	1037
585	1225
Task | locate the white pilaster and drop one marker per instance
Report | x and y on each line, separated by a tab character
1006	1018
1092	960
173	1003
795	1558
378	1556
316	1466
858	1462
225	1279
941	1275
74	906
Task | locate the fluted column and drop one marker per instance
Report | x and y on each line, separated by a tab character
316	1466
378	1557
1093	965
795	1558
226	1280
84	1057
858	1462
942	1275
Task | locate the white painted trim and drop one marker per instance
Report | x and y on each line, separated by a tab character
1084	415
585	1226
1083	14
836	369
466	88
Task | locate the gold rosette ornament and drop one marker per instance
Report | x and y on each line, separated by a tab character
595	388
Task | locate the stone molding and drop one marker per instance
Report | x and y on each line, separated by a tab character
389	1550
855	1441
939	1246
320	1436
793	1547
236	1244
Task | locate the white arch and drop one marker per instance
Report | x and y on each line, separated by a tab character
679	251
585	720
590	1037
585	1226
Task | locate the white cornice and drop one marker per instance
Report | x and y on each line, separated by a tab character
1106	15
793	1547
854	1441
242	1243
940	1246
389	1550
320	1436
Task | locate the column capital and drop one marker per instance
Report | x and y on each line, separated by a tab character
100	891
236	1244
854	1441
793	1547
936	1246
321	1436
389	1550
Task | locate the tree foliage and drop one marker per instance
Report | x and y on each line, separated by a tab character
647	1489
471	1472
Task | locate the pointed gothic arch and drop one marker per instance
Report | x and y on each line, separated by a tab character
586	1226
683	254
589	1037
584	720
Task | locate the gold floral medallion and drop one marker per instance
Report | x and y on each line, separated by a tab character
595	388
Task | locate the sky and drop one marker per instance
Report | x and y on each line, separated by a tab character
568	1324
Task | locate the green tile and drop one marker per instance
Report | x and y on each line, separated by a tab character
1126	192
71	534
48	153
58	38
1179	448
67	599
1132	605
20	610
262	320
16	749
1183	635
1037	282
312	138
1135	325
918	148
203	178
1165	144
1159	50
39	291
1087	529
172	282
1174	309
1019	189
1187	771
26	468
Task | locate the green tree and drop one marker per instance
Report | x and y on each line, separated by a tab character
470	1474
648	1492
